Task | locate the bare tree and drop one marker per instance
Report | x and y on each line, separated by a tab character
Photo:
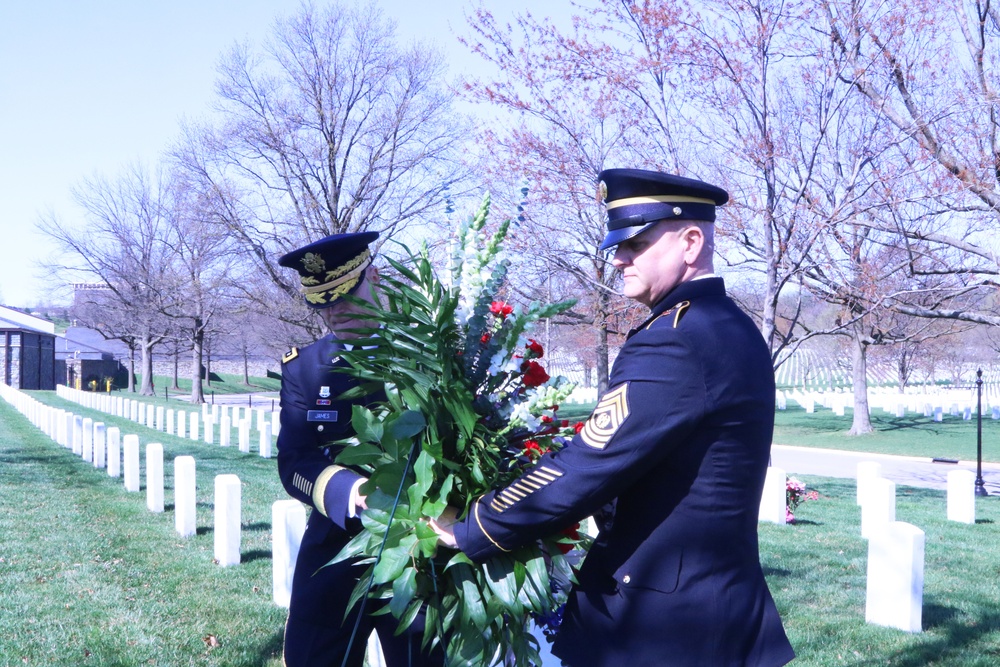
121	246
331	127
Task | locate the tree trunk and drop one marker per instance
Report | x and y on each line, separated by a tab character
177	363
131	369
246	367
146	346
197	340
862	420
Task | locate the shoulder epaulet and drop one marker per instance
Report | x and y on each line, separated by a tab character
677	311
291	354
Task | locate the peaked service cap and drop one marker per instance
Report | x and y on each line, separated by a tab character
636	199
331	267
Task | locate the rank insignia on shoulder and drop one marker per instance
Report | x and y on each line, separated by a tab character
677	311
606	419
291	354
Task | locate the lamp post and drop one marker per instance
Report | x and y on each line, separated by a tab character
980	487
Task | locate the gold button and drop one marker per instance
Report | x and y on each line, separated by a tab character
626	579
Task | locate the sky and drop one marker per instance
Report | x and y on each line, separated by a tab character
88	87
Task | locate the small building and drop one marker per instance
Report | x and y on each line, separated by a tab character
86	360
27	350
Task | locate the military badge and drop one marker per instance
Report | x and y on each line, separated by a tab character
324	401
324	392
606	419
602	191
291	354
313	263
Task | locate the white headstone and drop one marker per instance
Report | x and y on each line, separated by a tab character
114	459
160	421
996	412
185	496
227	519
938	414
962	496
193	426
154	477
78	435
100	444
265	440
181	424
131	447
895	590
773	501
87	431
170	421
225	431
878	507
900	410
867	471
260	418
275	423
288	523
209	429
967	413
244	431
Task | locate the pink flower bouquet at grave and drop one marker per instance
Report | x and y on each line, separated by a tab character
469	408
795	495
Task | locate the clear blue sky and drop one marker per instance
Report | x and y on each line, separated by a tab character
88	86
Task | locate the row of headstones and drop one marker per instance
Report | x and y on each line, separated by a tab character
840	402
895	577
104	448
187	423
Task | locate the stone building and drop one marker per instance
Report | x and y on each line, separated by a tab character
27	350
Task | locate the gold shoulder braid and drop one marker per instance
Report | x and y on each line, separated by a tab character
677	311
291	354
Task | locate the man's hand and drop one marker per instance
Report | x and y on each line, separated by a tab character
443	526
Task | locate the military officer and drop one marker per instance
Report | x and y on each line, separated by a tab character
312	417
678	447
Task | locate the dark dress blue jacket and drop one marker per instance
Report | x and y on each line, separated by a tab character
679	445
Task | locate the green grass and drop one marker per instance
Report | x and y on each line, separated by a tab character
88	576
226	384
816	569
913	435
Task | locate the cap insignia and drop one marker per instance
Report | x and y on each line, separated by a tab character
602	191
313	263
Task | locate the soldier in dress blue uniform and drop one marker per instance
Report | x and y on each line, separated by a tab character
312	417
678	448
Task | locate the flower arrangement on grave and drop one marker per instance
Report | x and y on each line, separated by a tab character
795	495
469	408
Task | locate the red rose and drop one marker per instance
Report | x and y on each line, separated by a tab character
564	423
577	427
534	374
535	348
572	532
546	419
501	309
485	339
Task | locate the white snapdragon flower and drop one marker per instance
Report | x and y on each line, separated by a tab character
522	415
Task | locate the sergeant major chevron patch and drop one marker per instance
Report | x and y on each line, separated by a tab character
607	418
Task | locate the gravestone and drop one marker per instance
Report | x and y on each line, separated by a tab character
209	429
996	412
967	413
87	431
182	424
227	520
773	501
154	477
114	459
867	471
170	421
100	444
895	588
193	425
878	507
161	424
225	430
275	423
185	496
131	447
244	432
78	435
962	496
260	418
900	410
265	440
288	523
938	414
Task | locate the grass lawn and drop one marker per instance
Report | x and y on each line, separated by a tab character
88	576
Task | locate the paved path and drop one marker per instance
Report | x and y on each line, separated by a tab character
264	399
907	470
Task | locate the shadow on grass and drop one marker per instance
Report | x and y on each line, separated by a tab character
954	634
255	554
273	648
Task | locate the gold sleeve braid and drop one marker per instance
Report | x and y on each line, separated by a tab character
319	490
